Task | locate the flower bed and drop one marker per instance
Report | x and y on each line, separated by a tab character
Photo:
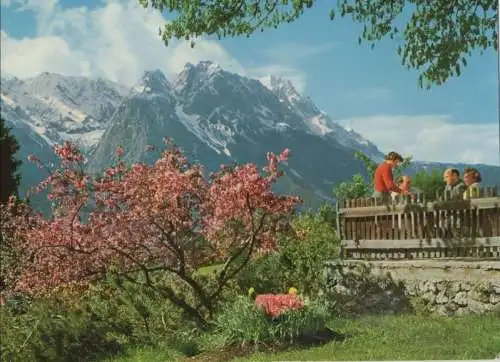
271	319
276	304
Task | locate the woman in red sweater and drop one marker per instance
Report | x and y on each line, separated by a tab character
383	181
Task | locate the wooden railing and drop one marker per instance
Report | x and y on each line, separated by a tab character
415	228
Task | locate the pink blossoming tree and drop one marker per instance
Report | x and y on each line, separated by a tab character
143	219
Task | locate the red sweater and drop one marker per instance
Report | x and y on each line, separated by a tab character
383	180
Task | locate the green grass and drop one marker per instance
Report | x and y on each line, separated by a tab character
387	338
405	338
149	354
207	270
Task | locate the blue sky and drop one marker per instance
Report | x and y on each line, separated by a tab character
357	86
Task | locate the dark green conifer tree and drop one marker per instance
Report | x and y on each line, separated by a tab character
9	177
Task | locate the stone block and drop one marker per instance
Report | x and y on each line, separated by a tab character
453	288
479	296
494	298
441	286
429	297
427	286
496	287
479	308
411	289
452	307
461	299
443	310
441	298
466	286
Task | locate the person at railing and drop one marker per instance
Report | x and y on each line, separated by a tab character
404	184
383	180
454	185
472	179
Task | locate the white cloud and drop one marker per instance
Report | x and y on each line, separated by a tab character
285	61
28	57
431	137
120	40
117	41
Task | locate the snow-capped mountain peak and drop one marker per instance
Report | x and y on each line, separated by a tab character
317	121
197	76
283	88
217	106
153	83
214	115
207	67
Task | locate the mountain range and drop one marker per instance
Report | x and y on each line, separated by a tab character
215	116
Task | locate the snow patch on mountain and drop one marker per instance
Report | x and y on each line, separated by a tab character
294	172
64	110
318	125
206	134
283	88
21	120
61	108
86	140
196	79
282	126
8	100
316	120
153	84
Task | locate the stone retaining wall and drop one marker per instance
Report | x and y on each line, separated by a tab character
446	287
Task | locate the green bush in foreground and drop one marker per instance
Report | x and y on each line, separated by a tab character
300	259
72	324
42	330
243	323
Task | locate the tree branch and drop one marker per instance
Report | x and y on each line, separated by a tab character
255	230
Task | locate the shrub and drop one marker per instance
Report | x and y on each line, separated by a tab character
10	245
42	330
355	188
74	323
244	323
429	183
135	313
141	219
299	261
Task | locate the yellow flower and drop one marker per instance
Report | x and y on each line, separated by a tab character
292	290
251	291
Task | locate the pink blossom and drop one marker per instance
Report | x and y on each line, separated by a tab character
284	155
119	152
144	216
11	201
33	158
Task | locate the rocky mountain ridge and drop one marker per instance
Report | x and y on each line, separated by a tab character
214	115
